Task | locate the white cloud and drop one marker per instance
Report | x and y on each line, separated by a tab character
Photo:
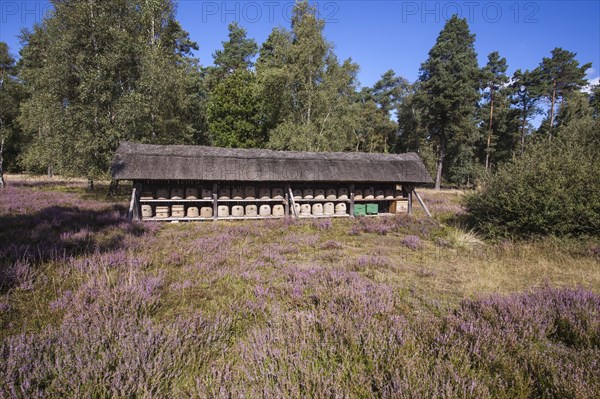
591	82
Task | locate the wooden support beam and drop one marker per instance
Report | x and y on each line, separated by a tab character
422	203
292	202
215	203
352	200
131	205
410	200
136	213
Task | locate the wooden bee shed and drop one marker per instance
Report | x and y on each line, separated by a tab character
207	178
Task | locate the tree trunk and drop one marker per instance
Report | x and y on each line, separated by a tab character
50	172
2	183
489	137
440	164
553	102
523	125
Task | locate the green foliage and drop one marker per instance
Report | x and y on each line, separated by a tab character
233	113
237	54
448	94
101	72
11	95
552	189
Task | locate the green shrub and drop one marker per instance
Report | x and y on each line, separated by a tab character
552	189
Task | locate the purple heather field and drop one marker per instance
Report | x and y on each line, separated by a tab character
95	306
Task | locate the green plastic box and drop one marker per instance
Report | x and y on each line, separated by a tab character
360	210
372	209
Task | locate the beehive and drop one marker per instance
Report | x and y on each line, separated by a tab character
369	193
297	208
317	209
399	207
331	194
372	209
225	193
305	209
277	193
237	211
358	194
360	210
319	194
342	193
250	192
308	193
177	193
237	193
192	212
207	193
297	194
146	211
162	193
265	210
340	209
379	194
251	210
162	211
206	212
264	193
398	194
177	211
147	195
191	193
389	194
223	211
278	210
328	208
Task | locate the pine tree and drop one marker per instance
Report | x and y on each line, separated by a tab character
493	78
449	83
560	75
526	95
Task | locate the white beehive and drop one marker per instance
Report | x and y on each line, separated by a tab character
193	212
206	212
369	193
398	193
342	193
207	193
265	210
389	194
177	193
358	194
237	193
162	193
317	209
297	208
251	210
162	211
297	194
308	193
278	210
328	208
305	209
331	194
222	211
224	193
319	194
250	192
277	193
237	211
146	211
147	195
177	211
340	209
379	194
264	193
191	193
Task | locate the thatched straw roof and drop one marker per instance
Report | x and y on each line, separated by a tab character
183	162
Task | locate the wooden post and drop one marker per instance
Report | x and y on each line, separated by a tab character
131	205
290	194
136	194
422	203
409	191
352	200
215	203
1	161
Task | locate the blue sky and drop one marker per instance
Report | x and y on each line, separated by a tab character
380	35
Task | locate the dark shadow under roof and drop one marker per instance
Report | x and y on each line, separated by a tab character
184	162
